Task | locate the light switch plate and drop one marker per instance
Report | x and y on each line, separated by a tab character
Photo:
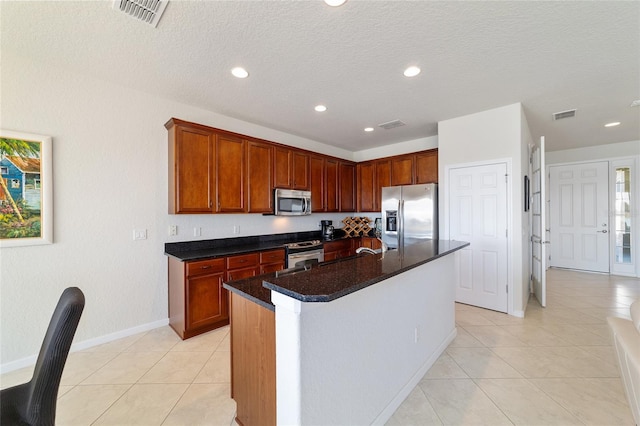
139	234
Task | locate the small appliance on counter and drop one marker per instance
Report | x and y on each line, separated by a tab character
327	229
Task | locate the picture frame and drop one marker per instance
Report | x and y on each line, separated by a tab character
26	189
527	195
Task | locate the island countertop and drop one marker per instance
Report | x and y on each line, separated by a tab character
334	279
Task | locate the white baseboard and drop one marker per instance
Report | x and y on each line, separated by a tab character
86	344
397	401
519	314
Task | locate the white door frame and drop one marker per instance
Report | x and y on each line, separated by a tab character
635	221
445	225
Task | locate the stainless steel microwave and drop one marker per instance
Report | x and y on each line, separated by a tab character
290	202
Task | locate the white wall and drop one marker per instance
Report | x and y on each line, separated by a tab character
110	176
497	134
598	152
407	147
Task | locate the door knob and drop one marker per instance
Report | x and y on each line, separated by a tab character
604	231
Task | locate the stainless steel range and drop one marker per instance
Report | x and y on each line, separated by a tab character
304	253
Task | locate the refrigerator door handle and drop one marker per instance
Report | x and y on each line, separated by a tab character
400	223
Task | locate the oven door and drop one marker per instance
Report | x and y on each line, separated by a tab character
296	260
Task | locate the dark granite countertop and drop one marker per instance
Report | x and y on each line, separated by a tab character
334	279
207	249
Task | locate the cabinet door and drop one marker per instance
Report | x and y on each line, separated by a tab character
259	177
271	267
238	274
191	174
330	255
282	168
402	170
332	186
366	187
206	300
383	178
317	184
230	176
427	167
347	187
300	170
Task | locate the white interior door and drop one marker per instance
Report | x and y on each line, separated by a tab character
580	216
478	214
538	243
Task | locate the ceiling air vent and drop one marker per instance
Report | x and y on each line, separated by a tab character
391	124
148	11
564	114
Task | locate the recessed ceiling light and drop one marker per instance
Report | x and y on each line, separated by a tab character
335	3
613	124
240	72
411	72
320	108
368	129
635	103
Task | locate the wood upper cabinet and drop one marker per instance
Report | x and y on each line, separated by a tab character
366	187
331	188
230	174
347	182
291	168
191	168
427	167
282	167
383	178
317	183
300	170
402	170
259	177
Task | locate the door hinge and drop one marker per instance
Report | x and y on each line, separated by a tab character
507	288
506	233
506	178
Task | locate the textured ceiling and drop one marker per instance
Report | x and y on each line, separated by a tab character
550	56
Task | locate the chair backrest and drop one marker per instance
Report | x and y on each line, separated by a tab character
40	407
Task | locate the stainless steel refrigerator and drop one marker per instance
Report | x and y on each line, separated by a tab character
409	214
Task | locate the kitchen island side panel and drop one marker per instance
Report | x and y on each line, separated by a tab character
355	359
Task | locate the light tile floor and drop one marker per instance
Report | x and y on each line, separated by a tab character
556	366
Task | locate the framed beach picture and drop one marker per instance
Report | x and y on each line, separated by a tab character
26	185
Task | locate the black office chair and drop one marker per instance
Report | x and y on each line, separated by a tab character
34	402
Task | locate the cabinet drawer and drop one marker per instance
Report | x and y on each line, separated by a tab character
242	261
205	266
271	256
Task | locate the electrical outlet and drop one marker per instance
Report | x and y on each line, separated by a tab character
173	230
236	229
139	234
197	231
415	335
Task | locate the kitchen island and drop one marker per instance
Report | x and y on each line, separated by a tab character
344	342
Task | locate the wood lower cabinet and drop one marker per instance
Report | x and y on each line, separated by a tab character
370	242
338	249
271	261
197	300
253	362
